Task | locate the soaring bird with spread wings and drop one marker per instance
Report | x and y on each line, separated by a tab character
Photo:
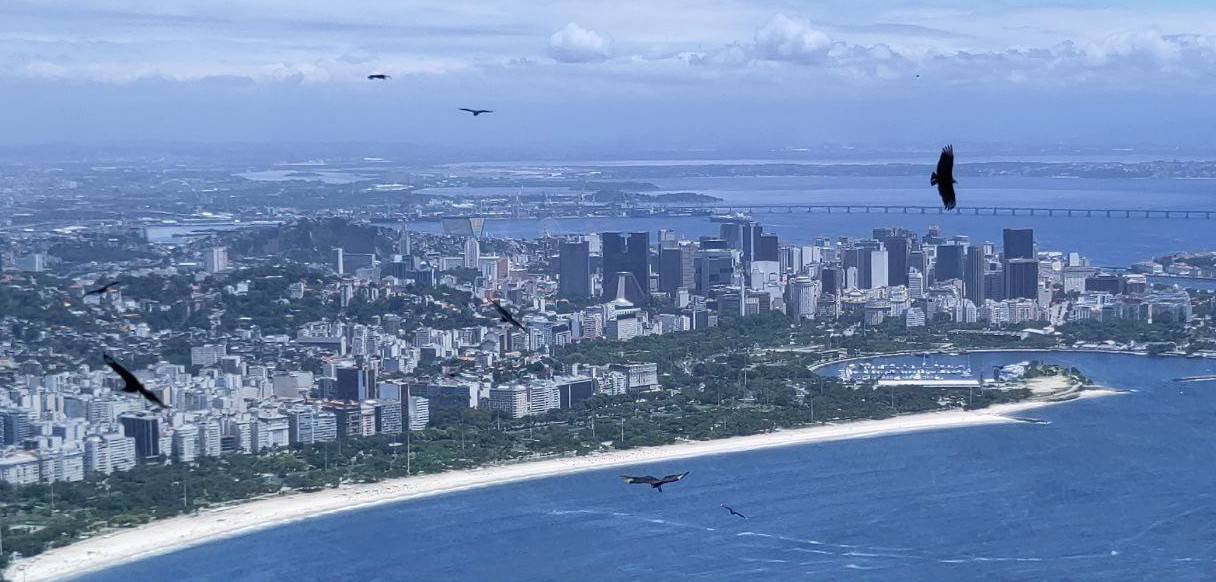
943	178
379	77
653	482
103	289
476	112
130	383
506	317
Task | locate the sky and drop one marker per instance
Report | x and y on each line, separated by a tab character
612	77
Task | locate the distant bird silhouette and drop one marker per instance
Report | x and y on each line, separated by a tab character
476	112
130	382
653	482
506	317
103	289
943	178
733	512
379	77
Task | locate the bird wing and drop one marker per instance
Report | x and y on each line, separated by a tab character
946	190
502	310
945	165
674	478
485	111
466	109
648	480
150	396
130	382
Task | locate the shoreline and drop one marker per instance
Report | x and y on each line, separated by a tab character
117	547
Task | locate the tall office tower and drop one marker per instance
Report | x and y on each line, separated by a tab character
355	384
676	268
667	238
865	268
339	261
1021	279
973	279
898	248
916	284
950	258
994	285
145	429
472	253
802	298
879	275
574	269
626	254
15	426
215	260
1019	243
916	260
403	241
832	279
766	248
714	268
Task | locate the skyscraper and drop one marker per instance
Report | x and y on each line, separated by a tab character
1019	243
802	298
1021	279
898	248
766	248
916	284
950	258
676	268
626	254
973	279
215	260
145	429
472	253
574	264
878	269
354	384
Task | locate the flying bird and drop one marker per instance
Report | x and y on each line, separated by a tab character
379	77
506	317
733	512
476	112
103	289
130	382
654	483
943	178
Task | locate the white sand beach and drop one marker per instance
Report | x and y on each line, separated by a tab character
126	545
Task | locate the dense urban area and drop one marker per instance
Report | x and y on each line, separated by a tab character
300	344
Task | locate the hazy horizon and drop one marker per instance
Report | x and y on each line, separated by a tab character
721	75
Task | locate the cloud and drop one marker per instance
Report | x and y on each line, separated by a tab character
575	44
790	39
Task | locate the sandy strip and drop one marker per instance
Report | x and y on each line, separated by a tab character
127	545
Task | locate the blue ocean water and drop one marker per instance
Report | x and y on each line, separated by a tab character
1115	488
1107	241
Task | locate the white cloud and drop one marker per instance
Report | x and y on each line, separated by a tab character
790	39
575	44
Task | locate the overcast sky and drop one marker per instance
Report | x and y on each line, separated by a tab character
618	75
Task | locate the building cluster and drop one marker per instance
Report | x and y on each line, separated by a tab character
245	391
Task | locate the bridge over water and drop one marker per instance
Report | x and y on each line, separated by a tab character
968	210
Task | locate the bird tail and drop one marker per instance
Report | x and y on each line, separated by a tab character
659	487
932	179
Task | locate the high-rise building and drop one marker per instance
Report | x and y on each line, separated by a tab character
916	284
339	261
677	268
14	426
898	249
185	443
1019	243
215	260
1021	279
973	275
832	279
714	268
879	276
145	429
626	255
418	412
354	384
802	299
403	241
950	259
472	253
766	248
574	269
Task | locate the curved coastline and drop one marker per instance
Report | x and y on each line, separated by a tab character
122	546
964	352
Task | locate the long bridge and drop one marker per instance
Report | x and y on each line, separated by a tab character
968	210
